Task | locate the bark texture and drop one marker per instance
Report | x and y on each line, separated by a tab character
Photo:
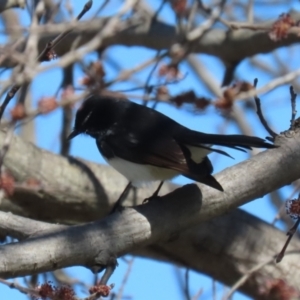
231	46
74	191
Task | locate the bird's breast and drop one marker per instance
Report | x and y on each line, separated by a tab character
140	173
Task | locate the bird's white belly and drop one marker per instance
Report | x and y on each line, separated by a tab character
138	173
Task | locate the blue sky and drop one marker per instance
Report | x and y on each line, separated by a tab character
151	279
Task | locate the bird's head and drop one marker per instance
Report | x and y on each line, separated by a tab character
93	117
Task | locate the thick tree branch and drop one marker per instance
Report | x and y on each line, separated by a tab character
21	228
95	244
218	248
228	45
255	177
7	4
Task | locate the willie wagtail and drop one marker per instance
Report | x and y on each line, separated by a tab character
144	145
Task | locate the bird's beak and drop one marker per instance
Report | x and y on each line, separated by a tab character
73	134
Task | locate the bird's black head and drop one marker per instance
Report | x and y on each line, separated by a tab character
95	115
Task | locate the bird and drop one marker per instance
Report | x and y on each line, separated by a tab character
145	145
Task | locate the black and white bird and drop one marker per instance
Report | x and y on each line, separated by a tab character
145	145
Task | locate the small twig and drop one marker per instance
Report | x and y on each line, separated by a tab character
63	278
147	87
245	277
36	112
124	75
293	103
23	290
152	86
109	270
42	56
67	116
119	296
97	295
31	292
101	8
214	289
154	17
186	284
279	215
260	114
121	199
198	294
229	73
290	235
7	99
271	85
52	44
197	32
192	15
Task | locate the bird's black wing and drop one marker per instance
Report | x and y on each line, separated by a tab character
160	151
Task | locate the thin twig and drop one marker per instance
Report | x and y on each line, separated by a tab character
152	86
31	292
121	199
271	85
214	289
186	284
23	290
198	294
245	277
279	215
260	114
147	87
101	8
97	295
124	75
119	296
293	103
290	235
197	32
109	270
67	116
71	57
36	112
49	47
155	16
7	99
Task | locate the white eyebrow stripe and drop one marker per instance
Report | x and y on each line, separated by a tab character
87	117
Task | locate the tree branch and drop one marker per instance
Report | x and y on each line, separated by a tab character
230	47
83	185
95	244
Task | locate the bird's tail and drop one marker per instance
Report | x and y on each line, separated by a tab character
235	141
202	173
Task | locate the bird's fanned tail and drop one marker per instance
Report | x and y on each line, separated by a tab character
202	171
235	141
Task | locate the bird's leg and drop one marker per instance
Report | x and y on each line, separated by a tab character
121	199
155	194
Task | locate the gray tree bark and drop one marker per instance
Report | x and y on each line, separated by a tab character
230	46
172	229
